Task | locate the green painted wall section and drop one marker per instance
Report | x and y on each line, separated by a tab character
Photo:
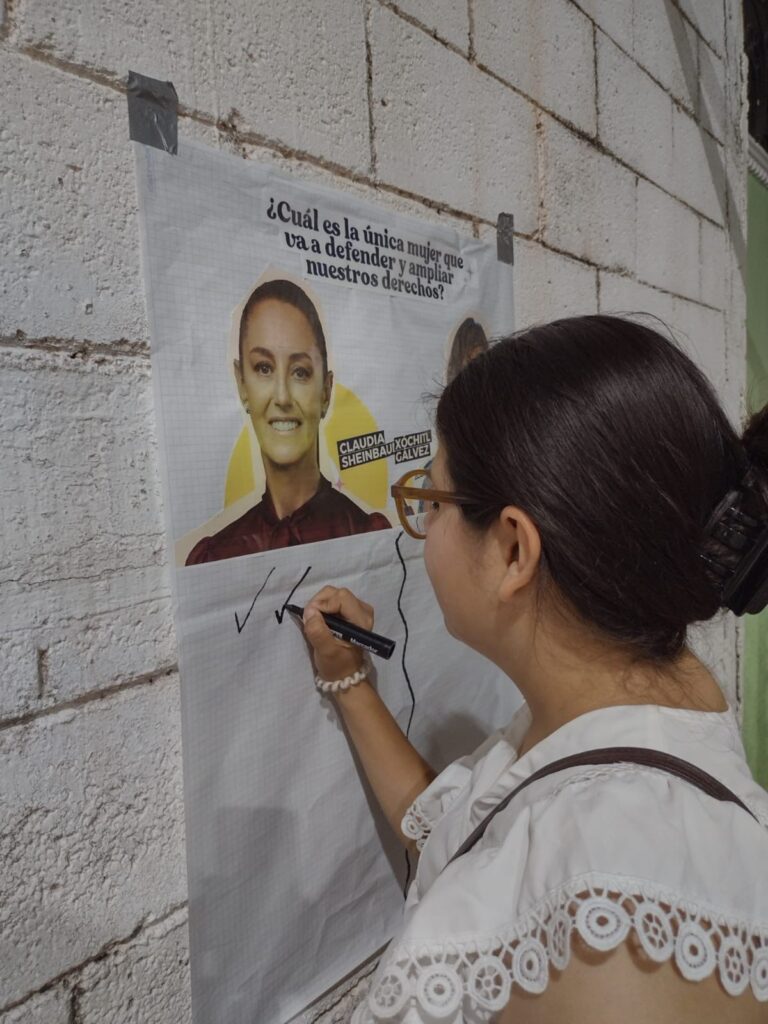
755	717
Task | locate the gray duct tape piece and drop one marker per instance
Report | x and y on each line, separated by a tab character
152	112
505	238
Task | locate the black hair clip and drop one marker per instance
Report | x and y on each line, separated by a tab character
744	586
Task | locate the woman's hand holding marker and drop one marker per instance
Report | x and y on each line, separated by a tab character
334	658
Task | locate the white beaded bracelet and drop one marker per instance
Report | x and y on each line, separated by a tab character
326	686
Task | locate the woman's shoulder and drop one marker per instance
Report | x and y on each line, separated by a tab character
628	821
461	780
240	537
609	853
649	827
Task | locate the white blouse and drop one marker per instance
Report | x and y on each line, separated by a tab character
603	849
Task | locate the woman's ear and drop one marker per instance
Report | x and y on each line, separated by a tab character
520	546
327	389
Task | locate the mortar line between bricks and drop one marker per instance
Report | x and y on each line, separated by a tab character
369	87
255	139
103	953
590	17
92	616
619	273
101	76
675	295
431	32
698	32
104	574
75	347
597	83
90	697
541	177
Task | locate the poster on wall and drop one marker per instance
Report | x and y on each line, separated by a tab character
297	333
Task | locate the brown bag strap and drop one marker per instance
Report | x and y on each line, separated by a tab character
610	755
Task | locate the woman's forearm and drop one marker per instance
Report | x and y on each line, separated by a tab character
395	769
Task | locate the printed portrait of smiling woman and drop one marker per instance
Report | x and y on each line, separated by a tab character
285	387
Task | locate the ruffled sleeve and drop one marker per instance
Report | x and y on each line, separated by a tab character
430	805
454	781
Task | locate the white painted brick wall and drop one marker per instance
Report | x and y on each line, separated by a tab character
306	75
711	106
446	130
709	18
713	250
67	207
87	582
660	33
109	39
295	72
615	19
698	329
93	838
550	285
451	110
143	981
667	242
588	200
50	1007
634	116
698	167
447	20
545	50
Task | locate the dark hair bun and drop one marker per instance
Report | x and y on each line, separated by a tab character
755	442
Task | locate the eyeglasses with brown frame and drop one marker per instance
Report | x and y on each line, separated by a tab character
411	488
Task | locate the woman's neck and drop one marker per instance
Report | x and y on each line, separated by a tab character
290	487
687	684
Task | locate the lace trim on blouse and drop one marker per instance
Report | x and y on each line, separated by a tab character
416	825
466	982
417	821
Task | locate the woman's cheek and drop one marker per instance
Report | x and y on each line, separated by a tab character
432	561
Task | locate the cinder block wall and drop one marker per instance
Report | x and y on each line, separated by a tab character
615	132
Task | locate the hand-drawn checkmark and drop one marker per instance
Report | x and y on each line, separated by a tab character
241	626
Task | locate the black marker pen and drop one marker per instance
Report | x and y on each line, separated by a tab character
345	630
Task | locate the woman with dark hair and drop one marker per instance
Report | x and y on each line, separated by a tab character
285	386
590	502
